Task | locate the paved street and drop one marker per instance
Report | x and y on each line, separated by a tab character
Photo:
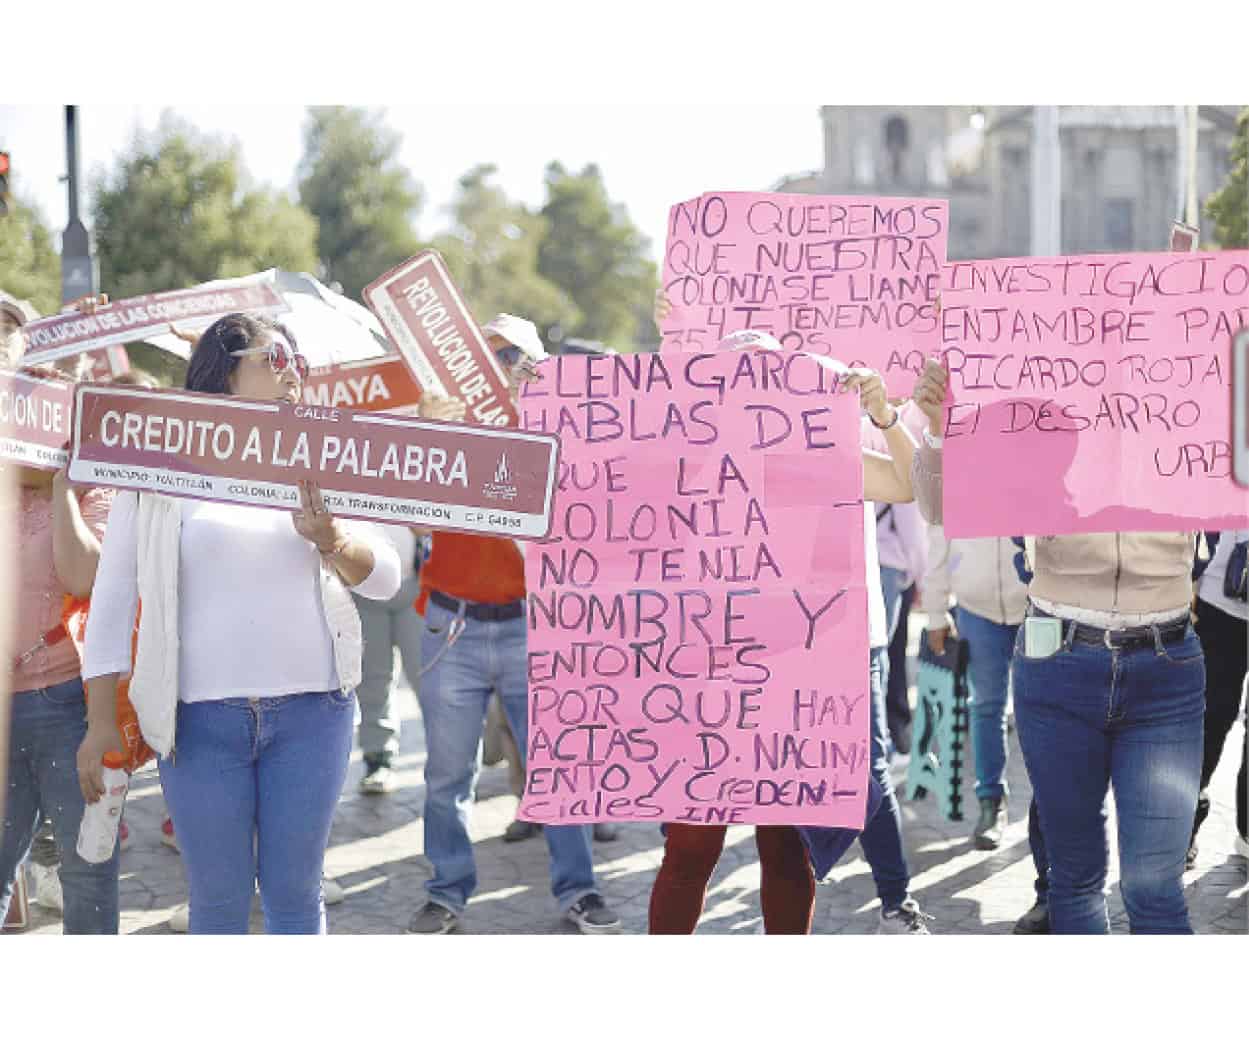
375	854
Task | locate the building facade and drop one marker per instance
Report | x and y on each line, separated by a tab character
1120	169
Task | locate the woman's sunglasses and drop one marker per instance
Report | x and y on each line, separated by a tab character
508	356
280	357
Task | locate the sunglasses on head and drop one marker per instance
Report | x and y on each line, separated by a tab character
280	355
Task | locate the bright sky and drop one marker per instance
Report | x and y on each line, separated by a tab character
651	156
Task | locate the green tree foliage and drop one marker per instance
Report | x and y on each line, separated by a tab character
179	209
492	253
364	201
29	266
593	251
1229	206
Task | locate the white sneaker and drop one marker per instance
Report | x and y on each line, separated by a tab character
332	891
46	882
908	919
180	919
378	781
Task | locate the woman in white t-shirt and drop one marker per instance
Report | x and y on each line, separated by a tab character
247	658
1223	628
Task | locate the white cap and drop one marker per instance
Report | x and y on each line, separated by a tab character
750	339
519	332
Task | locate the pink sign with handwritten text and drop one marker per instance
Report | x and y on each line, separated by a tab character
698	638
849	277
1092	393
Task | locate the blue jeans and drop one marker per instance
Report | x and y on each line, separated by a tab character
881	839
488	656
48	725
252	788
1090	718
989	671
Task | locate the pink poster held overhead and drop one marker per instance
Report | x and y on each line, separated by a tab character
853	278
698	639
1092	393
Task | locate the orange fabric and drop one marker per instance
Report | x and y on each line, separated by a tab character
473	567
74	618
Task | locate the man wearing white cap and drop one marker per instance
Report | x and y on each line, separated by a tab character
474	646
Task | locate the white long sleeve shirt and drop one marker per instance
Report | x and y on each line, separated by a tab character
250	617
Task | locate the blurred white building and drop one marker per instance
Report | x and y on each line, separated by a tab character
1121	169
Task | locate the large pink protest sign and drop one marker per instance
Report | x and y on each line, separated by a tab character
125	321
1092	393
853	278
698	645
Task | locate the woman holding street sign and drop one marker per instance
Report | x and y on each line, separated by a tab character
1109	682
247	658
788	887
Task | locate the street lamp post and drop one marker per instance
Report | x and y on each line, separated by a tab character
78	274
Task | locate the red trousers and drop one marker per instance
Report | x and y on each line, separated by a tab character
690	855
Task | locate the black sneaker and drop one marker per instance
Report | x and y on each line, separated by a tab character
433	919
1036	921
592	916
521	830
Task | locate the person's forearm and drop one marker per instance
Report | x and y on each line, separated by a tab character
102	700
75	550
902	452
352	560
926	479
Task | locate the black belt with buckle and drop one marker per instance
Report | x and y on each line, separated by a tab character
480	611
1122	638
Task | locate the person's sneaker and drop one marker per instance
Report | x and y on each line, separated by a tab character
46	886
167	836
606	832
1036	921
991	825
521	830
180	919
432	919
592	915
331	891
908	919
378	779
123	836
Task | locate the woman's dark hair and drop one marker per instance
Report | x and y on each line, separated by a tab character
213	359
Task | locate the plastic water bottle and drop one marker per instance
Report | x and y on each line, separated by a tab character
98	833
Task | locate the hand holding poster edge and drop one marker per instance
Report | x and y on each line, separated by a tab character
133	456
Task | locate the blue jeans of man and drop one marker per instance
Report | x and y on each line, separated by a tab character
988	666
252	787
881	839
48	725
1092	718
487	657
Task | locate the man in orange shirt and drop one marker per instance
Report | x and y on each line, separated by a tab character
474	644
